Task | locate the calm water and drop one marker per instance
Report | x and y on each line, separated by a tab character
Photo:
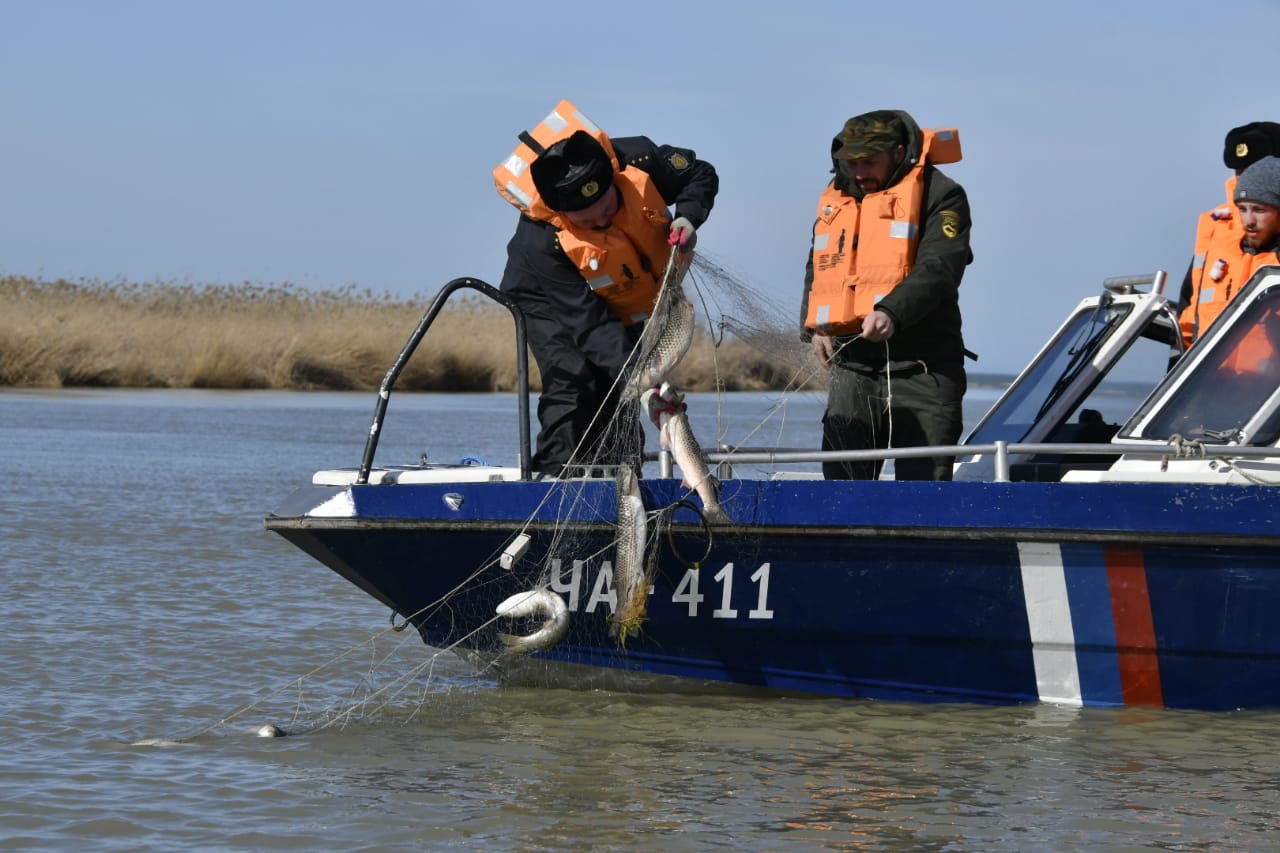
146	611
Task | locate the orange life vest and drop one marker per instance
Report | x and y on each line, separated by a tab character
1211	290
862	251
1227	268
624	263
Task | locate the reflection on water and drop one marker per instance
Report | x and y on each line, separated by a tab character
145	601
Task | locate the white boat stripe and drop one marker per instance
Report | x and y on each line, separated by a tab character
1044	588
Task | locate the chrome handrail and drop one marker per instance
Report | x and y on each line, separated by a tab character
1001	450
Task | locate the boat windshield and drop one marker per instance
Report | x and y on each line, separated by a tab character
1054	370
1231	386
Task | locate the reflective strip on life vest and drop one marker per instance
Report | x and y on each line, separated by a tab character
526	200
581	119
903	230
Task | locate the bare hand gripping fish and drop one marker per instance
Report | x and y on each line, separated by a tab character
666	408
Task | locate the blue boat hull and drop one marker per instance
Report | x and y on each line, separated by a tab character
1098	594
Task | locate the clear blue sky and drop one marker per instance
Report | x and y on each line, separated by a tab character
325	143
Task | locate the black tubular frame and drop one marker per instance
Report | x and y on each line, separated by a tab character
389	380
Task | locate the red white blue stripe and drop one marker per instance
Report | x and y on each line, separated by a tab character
1089	616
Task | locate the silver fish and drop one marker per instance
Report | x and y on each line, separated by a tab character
535	602
668	331
666	409
630	581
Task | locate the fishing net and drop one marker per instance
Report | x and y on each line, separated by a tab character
614	570
739	338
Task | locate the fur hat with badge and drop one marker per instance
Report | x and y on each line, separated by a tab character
1249	143
573	173
1260	183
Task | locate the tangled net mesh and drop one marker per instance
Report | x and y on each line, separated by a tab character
397	676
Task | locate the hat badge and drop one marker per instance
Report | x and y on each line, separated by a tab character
1242	149
589	189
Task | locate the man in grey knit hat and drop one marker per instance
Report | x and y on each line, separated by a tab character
1257	197
1253	366
1227	257
1247	357
1242	147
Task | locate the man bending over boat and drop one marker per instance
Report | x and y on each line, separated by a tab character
882	294
585	266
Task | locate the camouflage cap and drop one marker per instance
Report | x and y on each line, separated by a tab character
870	133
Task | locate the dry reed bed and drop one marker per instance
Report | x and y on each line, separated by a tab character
57	334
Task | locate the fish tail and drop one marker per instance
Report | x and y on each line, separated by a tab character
631	616
716	515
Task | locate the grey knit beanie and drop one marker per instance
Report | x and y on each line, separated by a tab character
1260	182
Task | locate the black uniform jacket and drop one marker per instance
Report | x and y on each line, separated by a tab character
579	345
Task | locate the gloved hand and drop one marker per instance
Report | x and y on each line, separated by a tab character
682	234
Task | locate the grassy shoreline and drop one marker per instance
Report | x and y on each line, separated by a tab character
115	334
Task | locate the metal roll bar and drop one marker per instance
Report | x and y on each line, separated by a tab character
389	380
